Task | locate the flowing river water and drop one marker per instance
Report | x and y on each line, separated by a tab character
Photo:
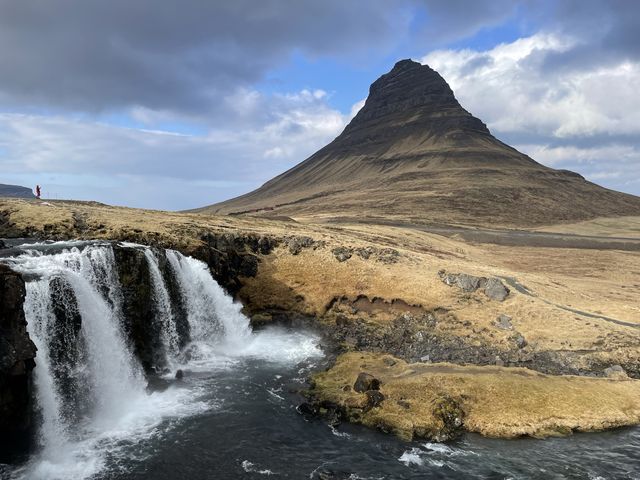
233	413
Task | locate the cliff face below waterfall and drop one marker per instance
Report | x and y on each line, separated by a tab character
17	354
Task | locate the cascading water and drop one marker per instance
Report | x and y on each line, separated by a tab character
170	337
214	319
91	393
85	376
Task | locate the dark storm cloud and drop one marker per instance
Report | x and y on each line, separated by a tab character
179	55
450	20
186	55
606	32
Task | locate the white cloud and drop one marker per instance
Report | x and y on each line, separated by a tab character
166	169
566	111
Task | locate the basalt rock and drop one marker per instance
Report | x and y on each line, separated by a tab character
417	338
139	316
17	353
342	254
616	371
231	256
66	347
493	287
366	382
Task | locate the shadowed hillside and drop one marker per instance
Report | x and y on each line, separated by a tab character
414	154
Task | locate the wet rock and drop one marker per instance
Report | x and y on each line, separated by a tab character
233	255
450	414
140	322
366	382
308	409
2	245
342	253
179	374
248	265
261	318
495	289
374	398
17	354
615	371
504	322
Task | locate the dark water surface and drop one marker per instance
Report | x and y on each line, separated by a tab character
254	431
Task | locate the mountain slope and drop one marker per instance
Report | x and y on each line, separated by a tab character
413	153
15	191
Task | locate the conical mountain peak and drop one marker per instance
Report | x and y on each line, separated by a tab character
413	92
413	153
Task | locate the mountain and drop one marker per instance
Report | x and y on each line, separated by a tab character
412	153
15	191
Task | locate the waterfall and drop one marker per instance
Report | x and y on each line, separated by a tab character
89	386
213	315
169	334
104	362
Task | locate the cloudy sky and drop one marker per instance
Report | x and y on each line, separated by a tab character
175	104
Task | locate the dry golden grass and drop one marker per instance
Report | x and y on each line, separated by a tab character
496	401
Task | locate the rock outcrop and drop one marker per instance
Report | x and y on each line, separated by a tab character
17	353
492	287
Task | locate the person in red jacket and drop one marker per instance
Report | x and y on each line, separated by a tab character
37	191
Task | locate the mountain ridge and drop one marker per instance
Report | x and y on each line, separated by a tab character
414	153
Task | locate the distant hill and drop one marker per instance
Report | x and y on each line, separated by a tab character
413	153
15	191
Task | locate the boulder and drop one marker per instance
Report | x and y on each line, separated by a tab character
450	415
342	253
519	340
504	322
296	244
616	372
495	289
365	382
374	398
468	283
492	287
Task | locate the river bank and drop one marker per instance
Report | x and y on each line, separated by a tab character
414	295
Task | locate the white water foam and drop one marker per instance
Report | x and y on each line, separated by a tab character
118	406
170	337
121	412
